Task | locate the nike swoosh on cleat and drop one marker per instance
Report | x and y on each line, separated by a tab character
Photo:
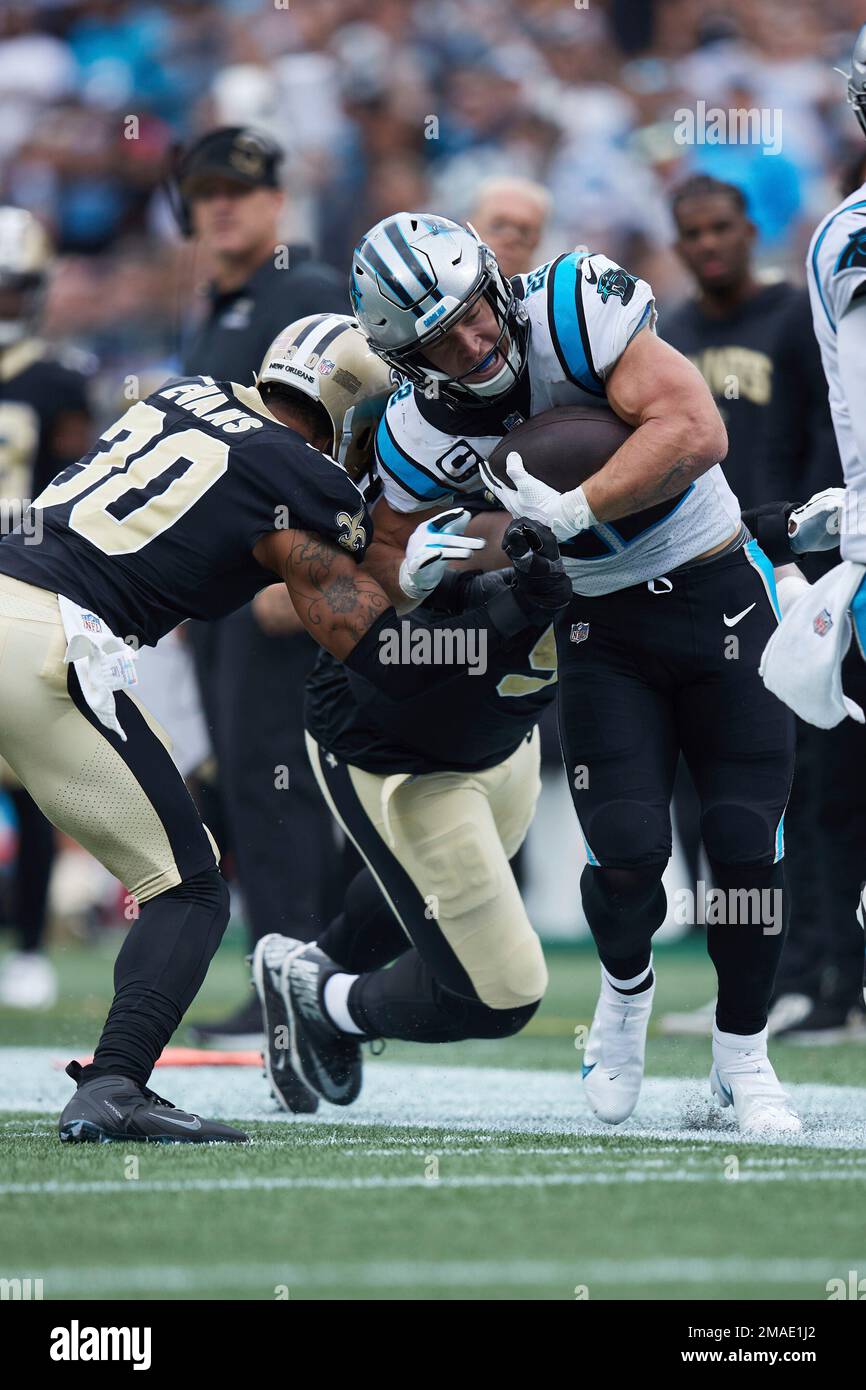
612	1075
585	1070
732	622
183	1124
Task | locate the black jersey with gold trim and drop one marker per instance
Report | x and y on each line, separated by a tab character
158	522
466	725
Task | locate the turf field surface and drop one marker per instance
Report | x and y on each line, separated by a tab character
467	1171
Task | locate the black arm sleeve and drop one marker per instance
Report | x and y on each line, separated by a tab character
462	589
769	526
383	658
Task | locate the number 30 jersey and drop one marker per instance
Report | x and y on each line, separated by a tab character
158	522
583	311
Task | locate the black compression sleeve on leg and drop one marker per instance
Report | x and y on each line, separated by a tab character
623	907
159	971
407	1002
365	935
746	946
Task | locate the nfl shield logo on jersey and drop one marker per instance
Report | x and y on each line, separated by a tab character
823	622
579	632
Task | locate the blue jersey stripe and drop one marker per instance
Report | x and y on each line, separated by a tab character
611	525
404	470
761	563
567	327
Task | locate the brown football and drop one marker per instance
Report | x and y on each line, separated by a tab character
563	446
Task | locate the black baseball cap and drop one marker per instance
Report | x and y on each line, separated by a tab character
232	152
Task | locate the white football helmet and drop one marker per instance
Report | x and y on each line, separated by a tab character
25	258
327	359
414	276
857	78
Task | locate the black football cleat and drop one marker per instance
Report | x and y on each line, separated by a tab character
329	1061
108	1108
287	1086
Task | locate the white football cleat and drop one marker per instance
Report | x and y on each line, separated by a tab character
28	980
613	1062
744	1078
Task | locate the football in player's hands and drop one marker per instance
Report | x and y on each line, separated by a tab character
561	447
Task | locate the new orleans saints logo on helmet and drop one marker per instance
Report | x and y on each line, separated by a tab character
327	359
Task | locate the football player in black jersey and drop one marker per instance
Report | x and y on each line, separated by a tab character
187	506
45	423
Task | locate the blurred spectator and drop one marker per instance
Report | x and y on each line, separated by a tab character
510	215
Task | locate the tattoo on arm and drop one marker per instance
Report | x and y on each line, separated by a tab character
672	481
330	591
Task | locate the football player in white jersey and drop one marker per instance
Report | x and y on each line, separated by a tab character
802	664
661	567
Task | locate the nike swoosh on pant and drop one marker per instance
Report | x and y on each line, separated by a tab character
732	622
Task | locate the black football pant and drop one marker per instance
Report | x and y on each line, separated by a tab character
663	669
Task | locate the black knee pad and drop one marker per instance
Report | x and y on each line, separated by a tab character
473	1019
736	834
628	834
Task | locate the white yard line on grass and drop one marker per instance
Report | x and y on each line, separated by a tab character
170	1279
378	1181
427	1098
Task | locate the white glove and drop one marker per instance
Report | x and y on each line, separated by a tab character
817	524
431	546
566	513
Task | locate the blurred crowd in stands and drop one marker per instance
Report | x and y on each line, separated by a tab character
386	104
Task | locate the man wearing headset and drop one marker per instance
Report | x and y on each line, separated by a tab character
227	196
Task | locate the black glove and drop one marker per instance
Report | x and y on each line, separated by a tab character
540	582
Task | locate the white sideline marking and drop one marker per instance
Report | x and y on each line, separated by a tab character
177	1278
643	1174
497	1100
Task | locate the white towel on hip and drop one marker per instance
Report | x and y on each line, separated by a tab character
103	662
802	662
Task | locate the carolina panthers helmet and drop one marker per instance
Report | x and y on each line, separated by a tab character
857	79
414	276
25	258
326	359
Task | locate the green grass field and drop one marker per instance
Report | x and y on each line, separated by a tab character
474	1172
